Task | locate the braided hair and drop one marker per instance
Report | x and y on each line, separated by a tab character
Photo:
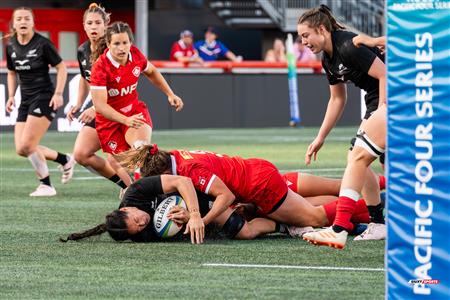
114	224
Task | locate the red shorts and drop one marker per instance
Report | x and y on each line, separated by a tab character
291	179
112	134
268	188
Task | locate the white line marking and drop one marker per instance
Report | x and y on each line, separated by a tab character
294	267
88	178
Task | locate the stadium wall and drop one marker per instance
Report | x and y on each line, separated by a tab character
228	100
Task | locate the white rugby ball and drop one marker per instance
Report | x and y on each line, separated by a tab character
164	227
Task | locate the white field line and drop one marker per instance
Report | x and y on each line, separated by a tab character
88	178
293	267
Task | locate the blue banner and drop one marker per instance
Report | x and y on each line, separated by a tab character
418	149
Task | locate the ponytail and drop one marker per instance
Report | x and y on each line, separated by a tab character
97	230
151	160
114	224
101	46
321	16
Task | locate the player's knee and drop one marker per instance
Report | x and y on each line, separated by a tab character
360	155
25	149
81	157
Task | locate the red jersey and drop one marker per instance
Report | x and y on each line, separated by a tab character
119	81
179	48
250	180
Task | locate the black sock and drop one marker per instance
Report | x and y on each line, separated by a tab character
116	179
376	213
46	181
281	228
337	228
61	159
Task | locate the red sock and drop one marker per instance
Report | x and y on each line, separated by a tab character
382	182
361	214
330	211
344	211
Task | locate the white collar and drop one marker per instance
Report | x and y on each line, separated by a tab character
182	44
115	63
210	45
174	165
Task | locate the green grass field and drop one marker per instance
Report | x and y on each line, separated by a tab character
33	264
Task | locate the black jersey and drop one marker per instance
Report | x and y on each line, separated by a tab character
31	62
146	194
350	63
84	60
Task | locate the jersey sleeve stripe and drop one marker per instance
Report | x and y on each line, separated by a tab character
210	183
93	87
146	67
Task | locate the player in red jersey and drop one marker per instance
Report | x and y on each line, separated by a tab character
122	121
230	180
95	20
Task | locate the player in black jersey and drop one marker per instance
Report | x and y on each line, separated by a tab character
95	20
29	55
133	220
344	62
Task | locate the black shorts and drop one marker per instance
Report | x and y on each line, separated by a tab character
371	99
91	124
36	107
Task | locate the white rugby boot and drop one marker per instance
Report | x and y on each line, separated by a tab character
327	237
44	190
374	232
67	169
298	232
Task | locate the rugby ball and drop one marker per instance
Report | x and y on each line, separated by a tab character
164	227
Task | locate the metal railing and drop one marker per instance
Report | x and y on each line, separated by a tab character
363	15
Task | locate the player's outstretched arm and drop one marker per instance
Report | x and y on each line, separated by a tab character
336	104
158	80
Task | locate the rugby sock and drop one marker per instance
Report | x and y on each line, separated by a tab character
382	182
116	179
46	181
344	211
61	159
376	213
330	211
39	165
361	214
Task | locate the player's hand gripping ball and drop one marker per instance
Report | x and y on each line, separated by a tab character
164	227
